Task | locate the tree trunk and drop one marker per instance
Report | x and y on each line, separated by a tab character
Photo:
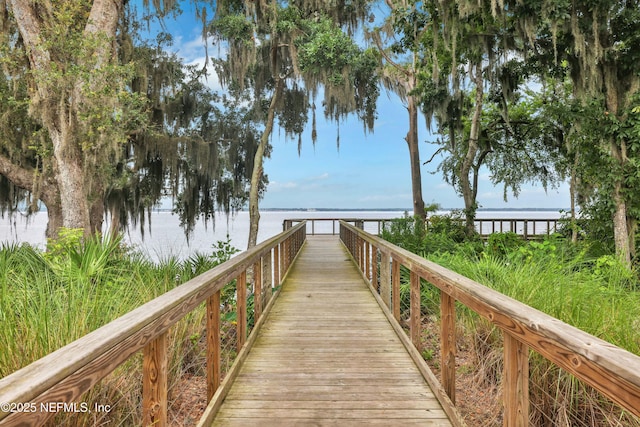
257	173
468	192
59	113
73	198
414	155
573	184
620	229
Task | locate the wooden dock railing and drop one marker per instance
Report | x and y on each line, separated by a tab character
528	228
611	370
66	374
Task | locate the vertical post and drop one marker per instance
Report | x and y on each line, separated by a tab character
385	278
241	314
516	382
154	382
395	292
276	265
257	290
368	261
414	324
213	344
267	276
374	268
448	344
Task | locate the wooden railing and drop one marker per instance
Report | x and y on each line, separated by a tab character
527	228
611	370
331	226
64	375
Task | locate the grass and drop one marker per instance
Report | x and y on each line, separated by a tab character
591	291
48	300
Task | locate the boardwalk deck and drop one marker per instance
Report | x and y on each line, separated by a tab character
327	355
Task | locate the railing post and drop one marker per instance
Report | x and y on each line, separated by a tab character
395	292
241	313
516	382
448	344
415	311
154	382
257	290
374	268
213	344
276	265
368	262
385	278
267	276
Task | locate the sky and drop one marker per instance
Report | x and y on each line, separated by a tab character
367	171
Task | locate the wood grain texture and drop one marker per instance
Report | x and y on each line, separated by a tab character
64	375
327	355
611	370
155	382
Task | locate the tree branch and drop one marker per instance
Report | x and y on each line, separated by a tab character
19	176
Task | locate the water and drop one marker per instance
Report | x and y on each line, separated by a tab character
165	238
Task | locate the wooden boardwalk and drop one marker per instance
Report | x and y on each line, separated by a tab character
327	355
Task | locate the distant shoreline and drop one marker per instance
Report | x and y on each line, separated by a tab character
390	209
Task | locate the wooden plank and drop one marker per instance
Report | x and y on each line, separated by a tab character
241	309
448	344
613	371
516	382
213	344
415	314
395	289
155	382
67	373
327	355
385	278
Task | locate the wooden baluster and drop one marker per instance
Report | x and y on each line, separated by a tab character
154	382
448	344
385	278
414	324
276	265
267	277
516	382
257	290
213	344
374	268
395	292
368	262
241	313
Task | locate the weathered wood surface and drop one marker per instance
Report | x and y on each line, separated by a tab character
327	355
611	370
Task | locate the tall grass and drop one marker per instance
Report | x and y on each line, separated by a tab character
48	300
594	293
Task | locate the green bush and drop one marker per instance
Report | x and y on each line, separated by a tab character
502	244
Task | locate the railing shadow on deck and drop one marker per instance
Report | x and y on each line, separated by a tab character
612	371
66	374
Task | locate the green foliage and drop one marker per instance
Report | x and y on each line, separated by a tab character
442	233
501	244
47	300
234	27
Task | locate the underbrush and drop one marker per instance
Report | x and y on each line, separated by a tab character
571	282
50	299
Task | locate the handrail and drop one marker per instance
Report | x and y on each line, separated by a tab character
612	371
529	228
64	375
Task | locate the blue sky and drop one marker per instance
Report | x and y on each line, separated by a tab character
368	171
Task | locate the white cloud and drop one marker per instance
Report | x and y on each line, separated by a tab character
282	186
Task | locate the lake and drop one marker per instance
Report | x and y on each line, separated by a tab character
165	238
